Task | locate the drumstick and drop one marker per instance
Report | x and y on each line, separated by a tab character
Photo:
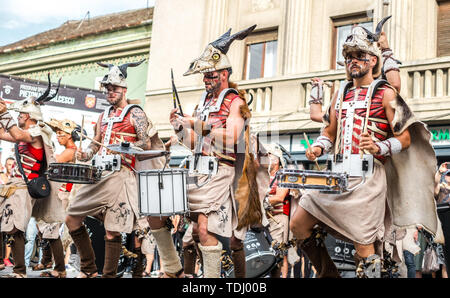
92	140
82	127
309	146
271	216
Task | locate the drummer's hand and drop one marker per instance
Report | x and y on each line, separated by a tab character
174	119
81	155
366	143
443	168
313	153
382	41
317	81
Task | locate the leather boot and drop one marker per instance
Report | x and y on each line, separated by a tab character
317	253
84	247
18	252
139	263
2	253
58	254
276	271
46	259
189	256
369	267
113	248
238	257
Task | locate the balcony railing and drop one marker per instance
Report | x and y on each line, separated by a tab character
424	79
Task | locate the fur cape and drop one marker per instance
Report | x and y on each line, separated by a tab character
246	194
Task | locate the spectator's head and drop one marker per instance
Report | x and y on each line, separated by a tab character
9	164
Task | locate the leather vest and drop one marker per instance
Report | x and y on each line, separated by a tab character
219	120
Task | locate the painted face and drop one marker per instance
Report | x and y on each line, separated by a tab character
212	81
62	137
114	94
358	64
22	119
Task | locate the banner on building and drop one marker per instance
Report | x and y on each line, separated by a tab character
15	88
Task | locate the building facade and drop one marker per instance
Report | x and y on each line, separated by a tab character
296	40
70	52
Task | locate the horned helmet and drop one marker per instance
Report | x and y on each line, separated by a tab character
32	105
117	75
275	150
67	126
361	39
214	56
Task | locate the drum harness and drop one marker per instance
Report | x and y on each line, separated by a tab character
197	163
113	162
345	159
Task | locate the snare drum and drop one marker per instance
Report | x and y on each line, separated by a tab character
328	182
163	193
73	173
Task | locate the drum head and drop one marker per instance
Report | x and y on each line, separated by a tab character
259	257
73	173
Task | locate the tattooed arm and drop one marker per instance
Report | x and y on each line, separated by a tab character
140	123
92	148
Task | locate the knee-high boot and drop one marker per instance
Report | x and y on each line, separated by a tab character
314	248
84	247
113	248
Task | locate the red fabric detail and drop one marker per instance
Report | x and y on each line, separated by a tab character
69	187
124	126
27	150
376	111
219	120
286	206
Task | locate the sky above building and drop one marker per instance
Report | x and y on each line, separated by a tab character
24	18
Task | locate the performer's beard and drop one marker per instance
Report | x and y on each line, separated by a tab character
114	101
212	88
357	74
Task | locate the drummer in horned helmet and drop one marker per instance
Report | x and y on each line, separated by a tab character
376	140
213	133
277	205
114	198
34	151
66	135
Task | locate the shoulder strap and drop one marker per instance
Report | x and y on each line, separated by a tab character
19	163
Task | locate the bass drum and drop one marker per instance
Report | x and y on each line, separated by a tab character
97	233
260	258
341	254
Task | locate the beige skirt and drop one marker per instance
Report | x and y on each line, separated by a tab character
279	229
49	230
15	211
356	216
113	198
216	201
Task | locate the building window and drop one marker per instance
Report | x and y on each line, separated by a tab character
342	27
261	58
443	29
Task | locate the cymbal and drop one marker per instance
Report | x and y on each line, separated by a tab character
133	151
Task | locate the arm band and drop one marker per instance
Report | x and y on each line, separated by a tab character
389	147
7	121
324	143
316	96
389	62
